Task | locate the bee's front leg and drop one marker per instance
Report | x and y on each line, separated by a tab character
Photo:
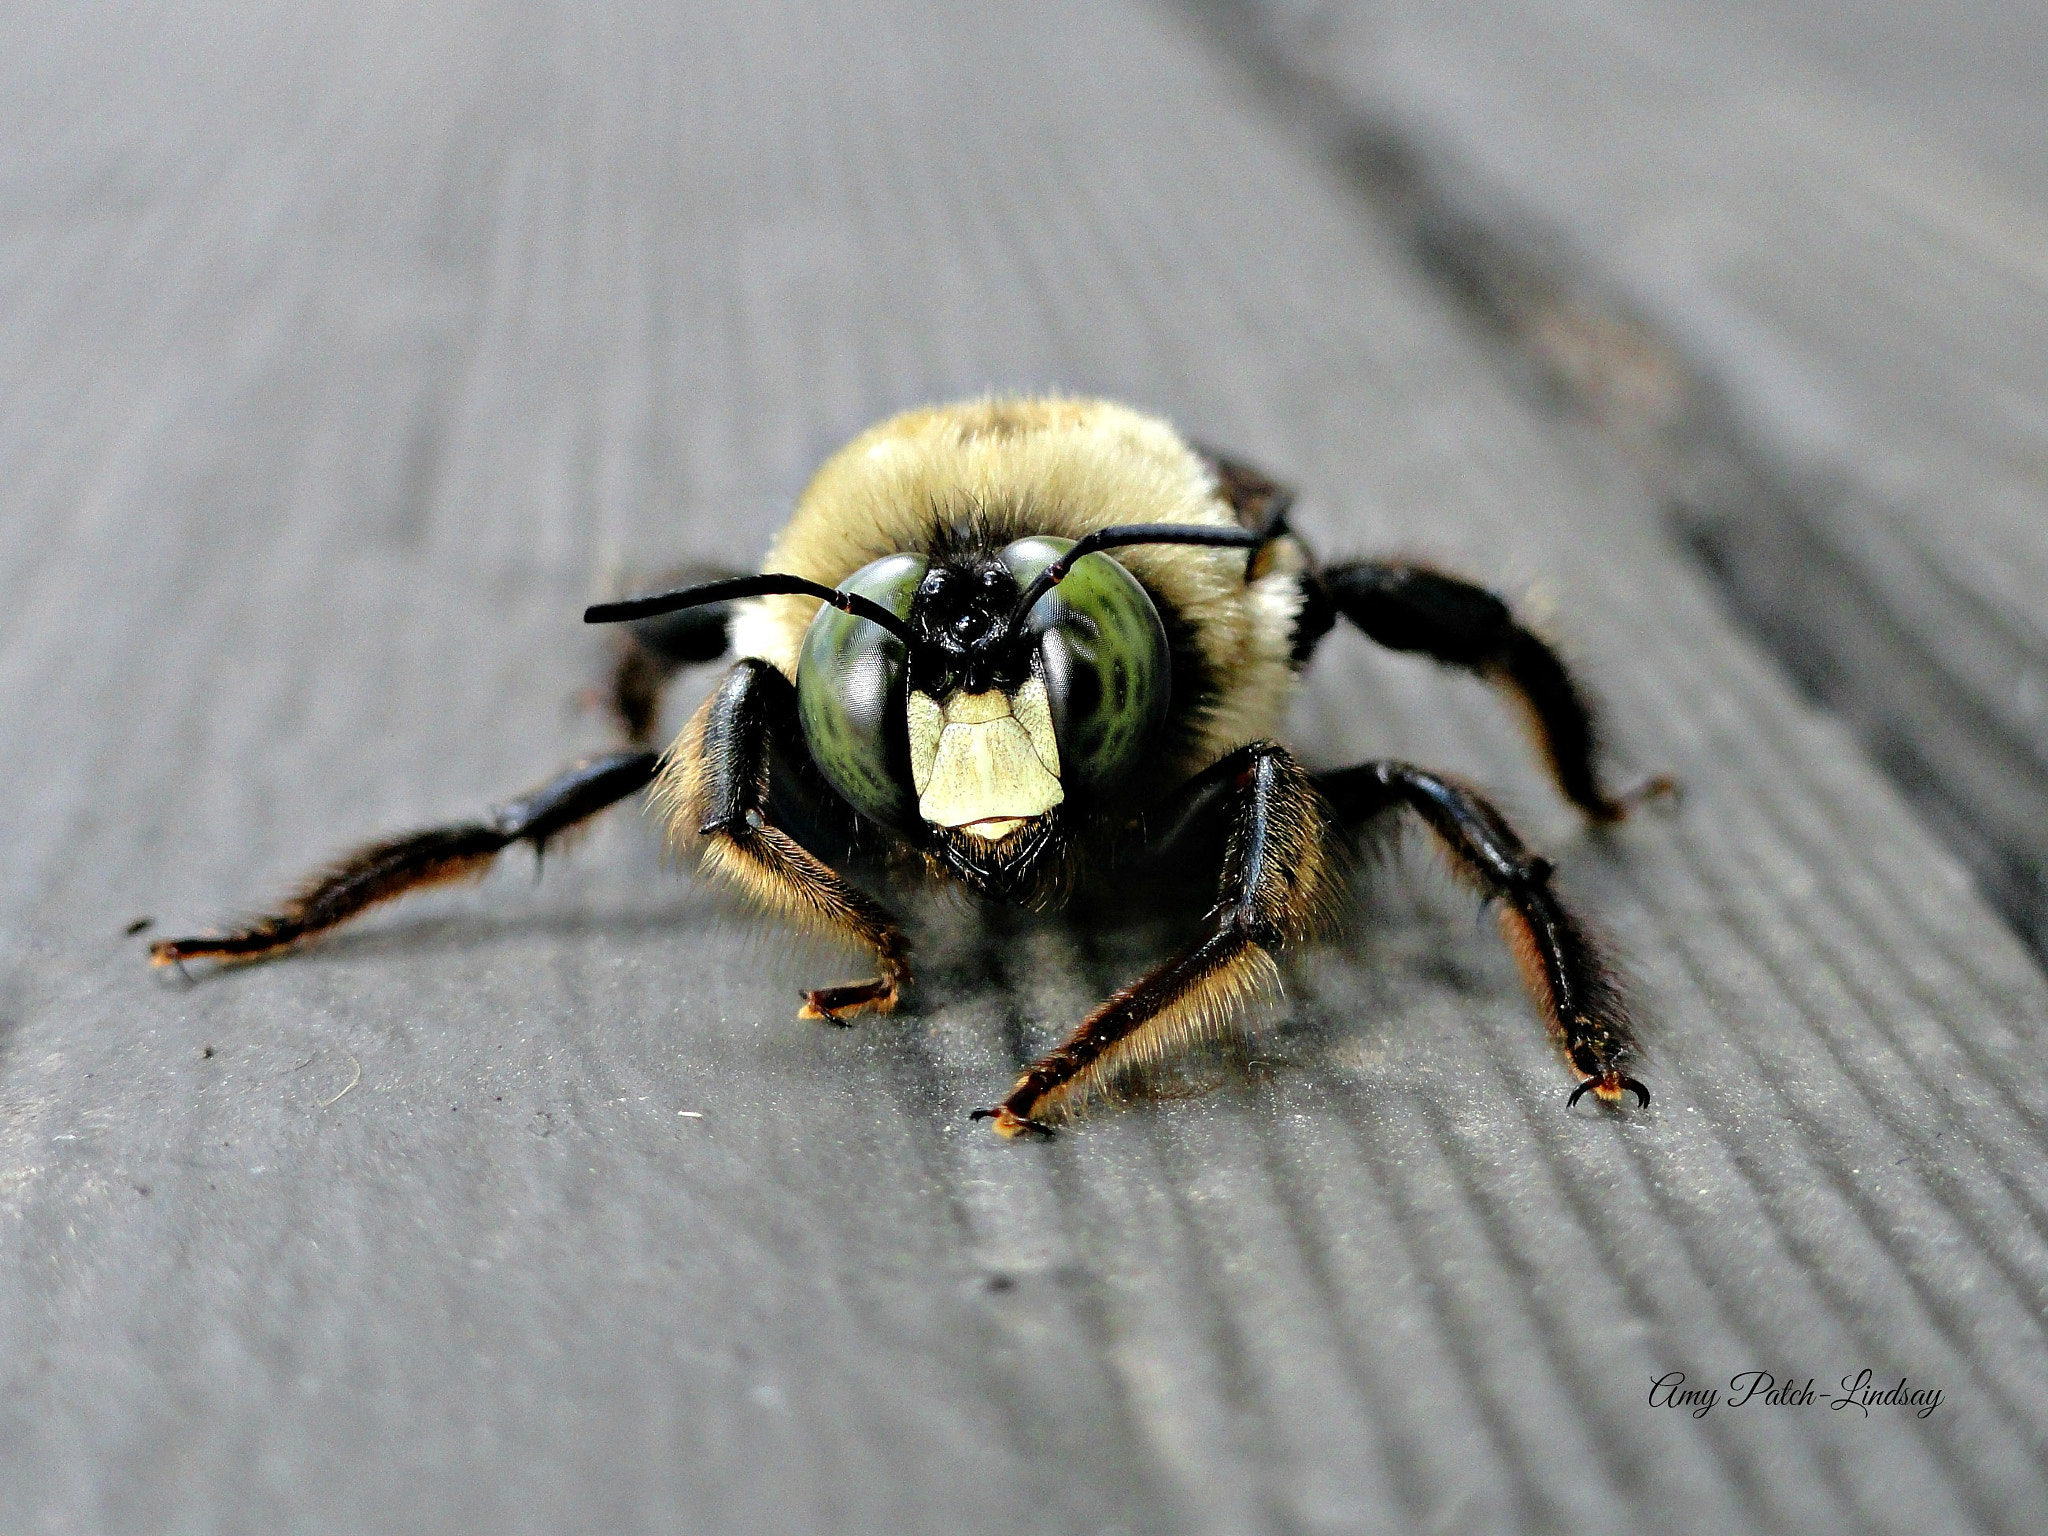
1282	873
715	783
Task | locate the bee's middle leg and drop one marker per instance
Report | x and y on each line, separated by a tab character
1562	965
1282	870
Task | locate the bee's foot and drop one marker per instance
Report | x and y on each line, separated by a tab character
837	1005
1608	1089
1010	1124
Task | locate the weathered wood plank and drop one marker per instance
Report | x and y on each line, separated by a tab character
1794	258
346	350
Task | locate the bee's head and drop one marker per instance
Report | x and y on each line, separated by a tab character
984	715
971	699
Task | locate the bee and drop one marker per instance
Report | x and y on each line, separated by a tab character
1025	645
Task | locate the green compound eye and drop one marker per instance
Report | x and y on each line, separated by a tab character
849	694
1108	675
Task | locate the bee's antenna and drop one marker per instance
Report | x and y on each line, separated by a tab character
769	585
1130	533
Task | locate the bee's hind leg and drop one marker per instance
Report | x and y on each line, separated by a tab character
1408	607
461	850
1282	873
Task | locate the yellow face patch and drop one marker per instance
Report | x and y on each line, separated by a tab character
984	762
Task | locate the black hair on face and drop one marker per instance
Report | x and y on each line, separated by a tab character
961	618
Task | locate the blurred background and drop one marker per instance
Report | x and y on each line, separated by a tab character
1792	258
348	350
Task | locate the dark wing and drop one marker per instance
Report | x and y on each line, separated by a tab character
1259	501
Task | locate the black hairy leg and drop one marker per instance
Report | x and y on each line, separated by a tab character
651	651
1414	608
717	787
1560	963
1282	871
415	860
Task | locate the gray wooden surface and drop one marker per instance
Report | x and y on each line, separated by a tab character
1796	257
345	350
